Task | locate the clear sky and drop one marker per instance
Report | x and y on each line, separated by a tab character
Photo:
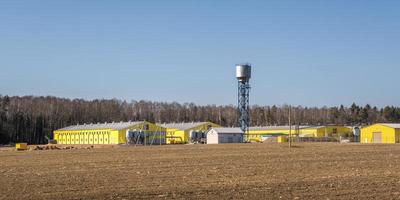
310	52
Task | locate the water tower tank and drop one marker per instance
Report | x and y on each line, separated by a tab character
243	72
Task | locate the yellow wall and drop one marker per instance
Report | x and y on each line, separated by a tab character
326	131
311	132
388	134
103	136
256	135
100	136
175	136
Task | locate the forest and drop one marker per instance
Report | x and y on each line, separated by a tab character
33	118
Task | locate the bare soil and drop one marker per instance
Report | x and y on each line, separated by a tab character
237	171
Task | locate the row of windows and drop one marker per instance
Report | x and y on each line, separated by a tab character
82	137
86	133
99	139
91	139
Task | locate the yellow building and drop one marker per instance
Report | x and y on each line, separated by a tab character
111	133
260	134
184	133
326	131
381	133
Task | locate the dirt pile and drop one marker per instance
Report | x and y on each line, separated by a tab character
54	147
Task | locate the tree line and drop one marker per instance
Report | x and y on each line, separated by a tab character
33	118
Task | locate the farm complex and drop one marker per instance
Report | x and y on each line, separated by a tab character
205	160
204	100
197	133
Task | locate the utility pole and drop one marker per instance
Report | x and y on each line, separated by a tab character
290	126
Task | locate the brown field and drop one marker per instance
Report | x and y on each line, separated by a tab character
245	171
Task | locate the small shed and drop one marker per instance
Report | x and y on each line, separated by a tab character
224	135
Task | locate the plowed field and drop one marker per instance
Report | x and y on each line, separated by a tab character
237	171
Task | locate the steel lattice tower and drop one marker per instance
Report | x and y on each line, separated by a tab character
243	74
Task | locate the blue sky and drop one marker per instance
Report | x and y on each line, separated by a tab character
310	53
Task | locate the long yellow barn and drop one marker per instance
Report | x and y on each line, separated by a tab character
326	131
381	133
108	133
262	133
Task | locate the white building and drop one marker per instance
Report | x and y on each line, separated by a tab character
224	135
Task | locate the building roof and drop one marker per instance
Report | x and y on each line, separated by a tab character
276	128
313	127
397	126
228	130
113	125
183	126
286	127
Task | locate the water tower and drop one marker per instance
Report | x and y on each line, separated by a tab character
243	74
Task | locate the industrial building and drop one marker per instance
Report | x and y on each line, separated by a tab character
260	134
224	135
381	133
184	133
111	133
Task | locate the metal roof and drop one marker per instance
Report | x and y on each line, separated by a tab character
286	127
392	125
313	127
113	125
183	126
276	128
228	130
